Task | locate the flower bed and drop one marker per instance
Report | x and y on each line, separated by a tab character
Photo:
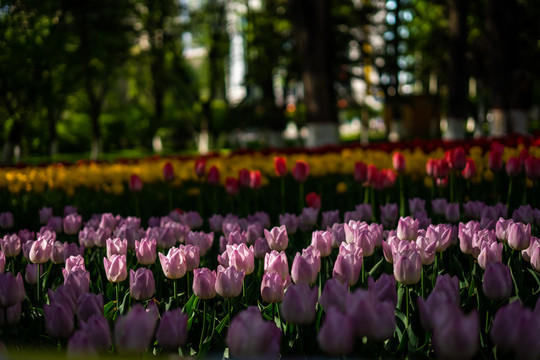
358	252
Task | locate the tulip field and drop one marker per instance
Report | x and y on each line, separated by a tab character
424	249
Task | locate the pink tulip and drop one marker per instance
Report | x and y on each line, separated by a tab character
261	248
134	331
408	267
116	246
250	337
192	256
78	280
229	281
255	179
336	335
322	240
427	250
298	306
347	269
141	284
58	252
407	229
398	161
300	171
497	284
490	253
174	264
72	223
519	236
31	274
277	262
305	267
441	235
40	252
145	250
172	330
535	259
115	268
277	238
2	262
272	289
204	283
465	235
241	257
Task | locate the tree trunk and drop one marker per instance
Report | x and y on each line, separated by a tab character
313	31
458	78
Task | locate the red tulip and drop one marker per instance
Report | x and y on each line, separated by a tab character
398	161
168	172
532	167
456	158
495	161
300	171
255	179
360	171
231	186
200	167
513	167
280	166
313	200
470	169
244	178
213	175
135	183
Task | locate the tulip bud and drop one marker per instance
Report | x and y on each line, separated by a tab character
255	179
115	268
45	213
229	281
458	332
334	294
360	172
470	169
174	264
407	268
145	250
277	238
89	305
213	175
31	274
58	320
6	220
300	171
168	172
398	161
519	236
133	331
135	183
513	167
72	223
272	290
231	186
336	335
200	167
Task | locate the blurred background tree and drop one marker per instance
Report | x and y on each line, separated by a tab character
148	76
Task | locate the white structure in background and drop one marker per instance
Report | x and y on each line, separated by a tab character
236	91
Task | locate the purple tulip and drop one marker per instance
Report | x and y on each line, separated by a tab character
504	329
417	205
389	215
338	235
80	343
56	224
6	220
239	256
333	295
361	309
31	273
473	209
58	253
141	284
204	283
427	249
74	262
277	238
458	332
58	320
72	223
535	259
11	290
527	253
2	262
216	222
134	331
308	217
191	219
347	268
253	232
272	290
385	322
322	240
145	250
64	295
329	218
523	214
519	236
200	239
11	245
439	206
115	268
172	330
174	264
249	336
526	341
336	335
98	331
497	283
12	315
452	212
290	221
490	253
45	213
229	281
384	289
440	234
298	306
261	248
89	305
465	235
78	280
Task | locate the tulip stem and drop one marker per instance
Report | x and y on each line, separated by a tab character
203	325
509	194
38	284
137	211
117	300
407	300
170	198
188	285
401	196
175	281
279	317
301	197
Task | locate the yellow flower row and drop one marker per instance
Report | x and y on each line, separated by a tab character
114	177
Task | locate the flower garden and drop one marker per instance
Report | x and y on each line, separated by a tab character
420	249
